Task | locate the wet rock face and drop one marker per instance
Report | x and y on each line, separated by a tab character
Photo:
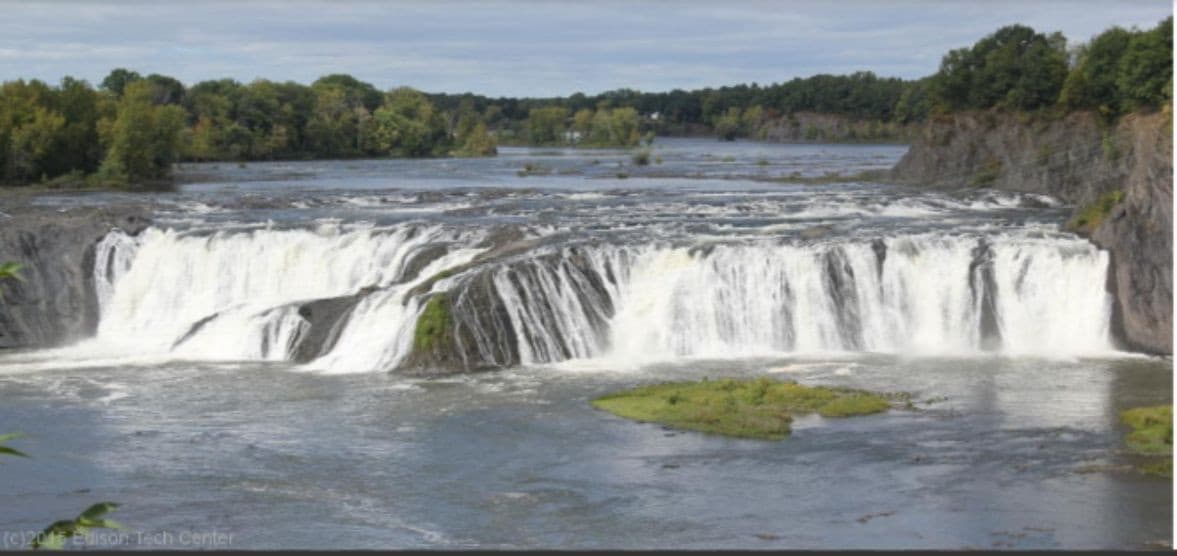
55	302
475	332
1077	160
325	319
469	327
1139	235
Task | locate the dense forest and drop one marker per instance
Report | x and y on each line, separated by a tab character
132	128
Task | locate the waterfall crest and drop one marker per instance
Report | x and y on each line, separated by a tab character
241	296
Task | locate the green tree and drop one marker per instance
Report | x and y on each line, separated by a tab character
1091	84
144	137
118	79
408	125
1014	68
77	147
546	126
332	130
623	127
582	122
727	126
478	142
1145	76
752	119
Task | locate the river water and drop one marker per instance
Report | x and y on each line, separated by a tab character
717	259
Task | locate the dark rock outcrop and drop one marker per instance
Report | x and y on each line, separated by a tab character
476	331
476	335
1139	235
55	302
1079	160
325	321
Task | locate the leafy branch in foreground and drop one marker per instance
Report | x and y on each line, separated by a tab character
9	451
10	270
55	535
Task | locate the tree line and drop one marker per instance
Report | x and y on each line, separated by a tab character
132	128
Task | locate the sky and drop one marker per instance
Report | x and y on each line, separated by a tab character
524	48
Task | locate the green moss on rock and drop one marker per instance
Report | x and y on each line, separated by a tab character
434	324
745	408
1091	216
1152	435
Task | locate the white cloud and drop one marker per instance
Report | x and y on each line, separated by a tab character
518	47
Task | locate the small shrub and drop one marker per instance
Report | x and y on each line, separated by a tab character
1089	217
988	174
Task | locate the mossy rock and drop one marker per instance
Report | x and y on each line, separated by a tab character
1152	429
759	408
1152	435
1089	217
434	325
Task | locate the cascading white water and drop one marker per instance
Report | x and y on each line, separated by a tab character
231	295
379	331
235	296
746	300
554	310
1049	299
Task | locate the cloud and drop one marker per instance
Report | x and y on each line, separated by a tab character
520	47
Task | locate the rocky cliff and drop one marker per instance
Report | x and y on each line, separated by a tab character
55	301
1119	177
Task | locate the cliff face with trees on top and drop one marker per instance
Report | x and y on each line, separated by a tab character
1099	137
1119	177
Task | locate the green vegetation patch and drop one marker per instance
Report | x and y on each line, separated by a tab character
988	173
434	324
1152	435
1091	216
745	408
1152	429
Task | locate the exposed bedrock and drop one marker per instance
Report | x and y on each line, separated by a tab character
55	300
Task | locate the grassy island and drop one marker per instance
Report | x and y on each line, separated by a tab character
745	408
1152	435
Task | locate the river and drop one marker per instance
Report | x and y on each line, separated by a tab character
200	408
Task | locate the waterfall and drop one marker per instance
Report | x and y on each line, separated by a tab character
906	295
234	295
239	295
